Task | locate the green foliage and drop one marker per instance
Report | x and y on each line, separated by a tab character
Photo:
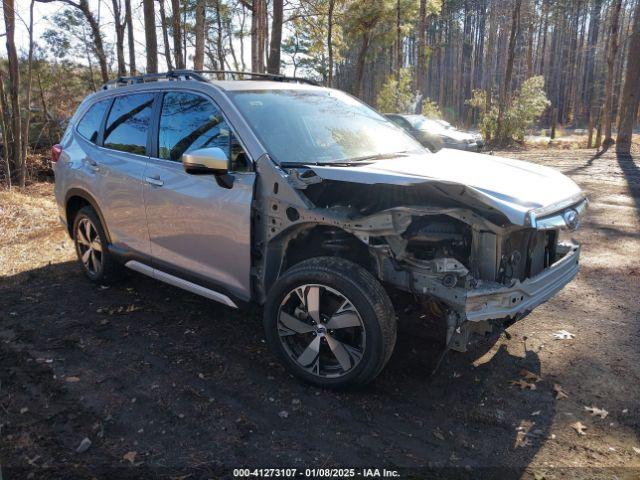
305	48
431	109
376	20
526	106
397	96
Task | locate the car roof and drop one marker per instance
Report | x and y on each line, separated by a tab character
240	85
224	85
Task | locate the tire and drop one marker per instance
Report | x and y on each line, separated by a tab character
98	265
349	338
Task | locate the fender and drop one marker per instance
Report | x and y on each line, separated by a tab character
85	195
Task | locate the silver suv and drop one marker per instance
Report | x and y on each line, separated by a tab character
309	203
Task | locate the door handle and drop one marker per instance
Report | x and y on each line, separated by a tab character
154	181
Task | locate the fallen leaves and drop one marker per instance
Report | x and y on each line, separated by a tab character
579	427
530	376
72	379
523	384
130	456
595	411
121	310
563	335
522	432
560	393
637	450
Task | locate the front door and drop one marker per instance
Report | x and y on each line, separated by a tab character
199	230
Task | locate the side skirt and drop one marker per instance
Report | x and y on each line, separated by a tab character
180	283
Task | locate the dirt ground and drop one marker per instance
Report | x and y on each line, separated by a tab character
165	384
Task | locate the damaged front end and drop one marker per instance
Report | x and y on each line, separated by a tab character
439	241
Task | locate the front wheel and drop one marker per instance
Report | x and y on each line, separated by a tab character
330	322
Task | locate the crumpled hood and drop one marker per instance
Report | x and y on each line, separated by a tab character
511	186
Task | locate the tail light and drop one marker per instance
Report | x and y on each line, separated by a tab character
56	150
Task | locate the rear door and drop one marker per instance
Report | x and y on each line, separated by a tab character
199	230
120	165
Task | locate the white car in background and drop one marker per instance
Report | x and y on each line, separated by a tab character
436	134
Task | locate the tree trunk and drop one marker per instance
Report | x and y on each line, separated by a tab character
96	37
630	102
165	35
219	38
611	58
398	59
243	20
598	128
421	61
150	35
273	65
6	131
506	85
545	30
130	39
120	25
198	59
529	71
257	57
263	32
332	4
592	40
27	115
177	34
14	89
362	53
490	68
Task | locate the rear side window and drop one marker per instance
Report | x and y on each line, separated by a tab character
89	126
128	123
189	122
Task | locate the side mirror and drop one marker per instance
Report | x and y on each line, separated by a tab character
204	161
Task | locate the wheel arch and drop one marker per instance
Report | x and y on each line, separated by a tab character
309	240
77	198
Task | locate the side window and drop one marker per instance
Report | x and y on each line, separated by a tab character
89	126
189	122
128	123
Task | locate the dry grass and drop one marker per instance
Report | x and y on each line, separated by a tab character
572	141
31	235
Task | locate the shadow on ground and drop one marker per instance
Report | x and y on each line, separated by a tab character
189	386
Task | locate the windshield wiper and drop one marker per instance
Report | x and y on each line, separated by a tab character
377	156
319	164
348	162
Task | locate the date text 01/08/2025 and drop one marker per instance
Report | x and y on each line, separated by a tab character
315	473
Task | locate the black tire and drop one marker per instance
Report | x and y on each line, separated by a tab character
110	270
363	292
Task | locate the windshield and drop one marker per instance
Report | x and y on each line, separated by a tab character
319	126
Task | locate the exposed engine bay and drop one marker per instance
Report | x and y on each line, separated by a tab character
438	241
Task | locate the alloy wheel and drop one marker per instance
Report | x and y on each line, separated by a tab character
89	246
321	330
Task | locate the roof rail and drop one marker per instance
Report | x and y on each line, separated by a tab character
252	75
198	76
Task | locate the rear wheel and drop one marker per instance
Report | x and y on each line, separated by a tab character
91	246
330	322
